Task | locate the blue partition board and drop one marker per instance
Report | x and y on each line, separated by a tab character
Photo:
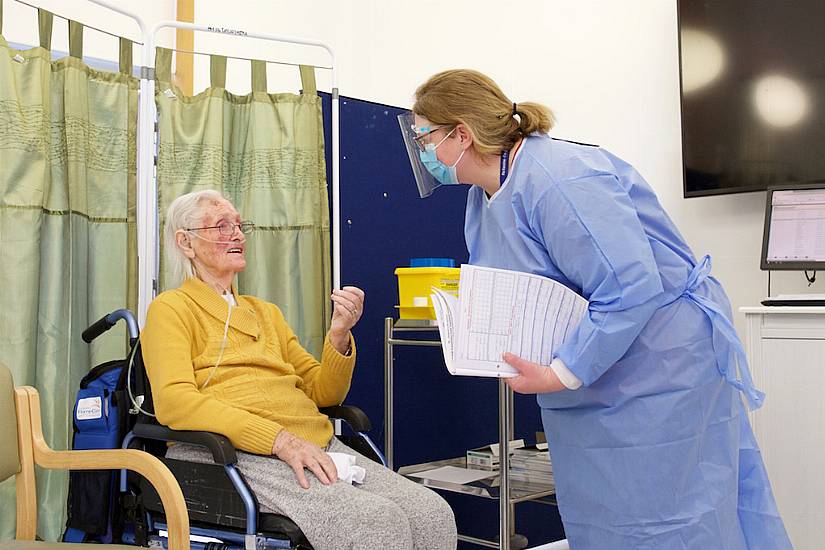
384	223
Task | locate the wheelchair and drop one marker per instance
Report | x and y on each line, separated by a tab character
223	511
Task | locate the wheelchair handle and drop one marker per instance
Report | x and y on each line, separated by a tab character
108	321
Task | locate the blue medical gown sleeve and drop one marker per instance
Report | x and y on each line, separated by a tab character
593	235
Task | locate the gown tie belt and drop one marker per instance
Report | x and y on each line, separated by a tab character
729	352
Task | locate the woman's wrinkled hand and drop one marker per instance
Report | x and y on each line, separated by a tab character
299	454
532	377
348	307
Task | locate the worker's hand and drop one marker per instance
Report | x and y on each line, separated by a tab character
532	378
299	454
348	305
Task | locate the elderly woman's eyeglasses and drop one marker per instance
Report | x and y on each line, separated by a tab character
228	228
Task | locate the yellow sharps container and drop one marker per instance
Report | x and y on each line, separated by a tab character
415	285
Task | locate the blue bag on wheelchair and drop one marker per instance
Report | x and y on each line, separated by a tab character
100	417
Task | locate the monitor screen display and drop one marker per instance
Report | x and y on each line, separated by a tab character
753	93
794	236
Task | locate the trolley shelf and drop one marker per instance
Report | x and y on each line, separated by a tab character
520	491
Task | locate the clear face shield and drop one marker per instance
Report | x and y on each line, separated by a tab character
417	151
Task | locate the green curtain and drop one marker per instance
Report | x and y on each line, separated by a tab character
265	152
67	233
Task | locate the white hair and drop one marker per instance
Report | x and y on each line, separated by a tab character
185	211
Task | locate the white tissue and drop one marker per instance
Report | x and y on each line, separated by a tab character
348	471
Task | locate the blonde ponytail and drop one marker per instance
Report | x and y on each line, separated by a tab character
534	117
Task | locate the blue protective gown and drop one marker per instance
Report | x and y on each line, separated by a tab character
655	450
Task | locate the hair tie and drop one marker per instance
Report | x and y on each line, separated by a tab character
515	111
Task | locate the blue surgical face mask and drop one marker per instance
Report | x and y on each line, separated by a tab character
440	171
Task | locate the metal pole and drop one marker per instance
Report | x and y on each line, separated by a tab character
147	208
146	214
511	423
388	384
336	187
504	419
477	541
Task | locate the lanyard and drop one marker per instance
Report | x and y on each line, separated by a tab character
505	166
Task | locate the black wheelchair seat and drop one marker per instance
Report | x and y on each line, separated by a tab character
213	502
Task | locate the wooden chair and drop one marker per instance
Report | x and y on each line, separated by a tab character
20	422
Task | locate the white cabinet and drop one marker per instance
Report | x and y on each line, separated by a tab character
786	352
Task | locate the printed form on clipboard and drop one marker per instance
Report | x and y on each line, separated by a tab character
498	310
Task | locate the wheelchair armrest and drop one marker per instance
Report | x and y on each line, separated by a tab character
223	452
355	417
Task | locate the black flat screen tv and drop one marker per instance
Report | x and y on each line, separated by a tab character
753	93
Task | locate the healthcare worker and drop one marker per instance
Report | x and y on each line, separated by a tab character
643	404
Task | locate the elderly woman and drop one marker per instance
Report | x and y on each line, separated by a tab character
229	363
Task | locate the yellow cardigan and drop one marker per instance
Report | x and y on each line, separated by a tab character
266	381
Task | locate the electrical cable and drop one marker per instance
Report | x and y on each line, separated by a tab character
133	400
135	404
223	346
812	278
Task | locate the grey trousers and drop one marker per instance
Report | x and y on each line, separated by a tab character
386	512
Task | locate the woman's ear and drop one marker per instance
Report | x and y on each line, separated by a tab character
465	137
184	243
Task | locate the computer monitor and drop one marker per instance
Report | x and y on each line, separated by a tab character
794	235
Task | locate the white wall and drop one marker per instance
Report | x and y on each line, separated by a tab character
608	68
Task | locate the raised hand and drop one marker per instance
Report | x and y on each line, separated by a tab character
348	307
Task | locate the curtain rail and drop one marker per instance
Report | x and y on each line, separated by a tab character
329	68
84	24
240	58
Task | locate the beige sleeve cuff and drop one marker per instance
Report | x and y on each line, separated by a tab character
570	381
